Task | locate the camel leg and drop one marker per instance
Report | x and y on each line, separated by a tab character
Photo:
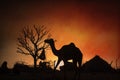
79	62
64	70
79	69
54	75
57	63
75	63
75	68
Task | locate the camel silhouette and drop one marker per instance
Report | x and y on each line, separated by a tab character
66	53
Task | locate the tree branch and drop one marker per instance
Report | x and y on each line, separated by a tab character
19	50
30	41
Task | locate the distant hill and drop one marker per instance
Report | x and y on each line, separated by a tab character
97	64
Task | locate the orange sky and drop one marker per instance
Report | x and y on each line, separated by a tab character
92	26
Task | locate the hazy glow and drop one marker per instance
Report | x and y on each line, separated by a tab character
92	26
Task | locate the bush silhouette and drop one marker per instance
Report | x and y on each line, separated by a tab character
4	68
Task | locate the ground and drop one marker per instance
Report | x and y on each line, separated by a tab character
60	76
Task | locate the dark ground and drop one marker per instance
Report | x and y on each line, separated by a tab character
59	76
95	69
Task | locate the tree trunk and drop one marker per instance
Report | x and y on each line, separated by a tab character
35	63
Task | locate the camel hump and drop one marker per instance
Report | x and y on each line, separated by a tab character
72	44
74	48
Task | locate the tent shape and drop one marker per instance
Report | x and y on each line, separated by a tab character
97	64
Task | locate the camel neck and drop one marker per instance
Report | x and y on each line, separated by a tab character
54	50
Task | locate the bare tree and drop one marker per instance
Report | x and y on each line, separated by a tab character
31	42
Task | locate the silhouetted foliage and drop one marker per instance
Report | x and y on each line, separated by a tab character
4	68
20	67
31	42
45	66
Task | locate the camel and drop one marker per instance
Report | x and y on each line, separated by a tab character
66	53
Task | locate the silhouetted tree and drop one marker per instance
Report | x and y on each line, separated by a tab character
31	42
4	67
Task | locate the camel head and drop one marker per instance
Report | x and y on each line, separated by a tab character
49	41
